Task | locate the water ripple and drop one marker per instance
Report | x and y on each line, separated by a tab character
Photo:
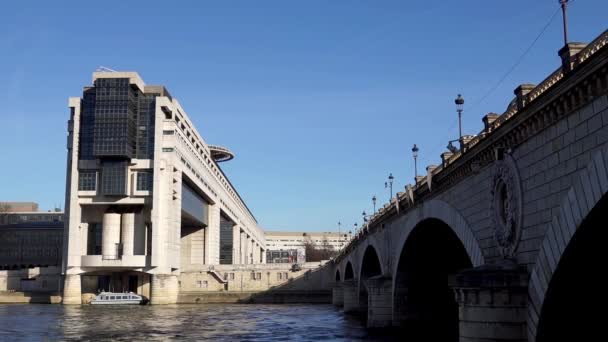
217	322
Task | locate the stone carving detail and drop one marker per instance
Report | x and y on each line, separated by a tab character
506	205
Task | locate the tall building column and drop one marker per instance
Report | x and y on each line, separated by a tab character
212	236
263	256
492	303
243	248
128	233
72	290
250	250
236	244
164	289
110	235
256	253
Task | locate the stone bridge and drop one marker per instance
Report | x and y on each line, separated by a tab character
503	240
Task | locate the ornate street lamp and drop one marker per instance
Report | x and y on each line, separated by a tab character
415	154
459	104
390	183
374	201
365	216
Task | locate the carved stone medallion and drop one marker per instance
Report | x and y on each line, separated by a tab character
506	205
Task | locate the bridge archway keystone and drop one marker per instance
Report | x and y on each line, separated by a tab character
588	192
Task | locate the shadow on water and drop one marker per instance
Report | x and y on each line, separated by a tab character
219	322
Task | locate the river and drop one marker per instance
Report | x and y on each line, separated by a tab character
216	322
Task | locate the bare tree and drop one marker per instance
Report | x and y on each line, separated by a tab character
315	252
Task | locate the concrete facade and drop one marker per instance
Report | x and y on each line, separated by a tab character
153	217
496	217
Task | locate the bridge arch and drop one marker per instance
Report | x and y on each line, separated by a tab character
349	274
437	237
371	266
564	289
423	302
438	209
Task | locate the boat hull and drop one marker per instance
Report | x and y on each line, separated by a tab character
116	302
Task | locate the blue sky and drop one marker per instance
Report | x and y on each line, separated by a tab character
320	100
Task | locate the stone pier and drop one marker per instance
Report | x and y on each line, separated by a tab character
351	296
337	295
72	293
164	289
492	303
380	302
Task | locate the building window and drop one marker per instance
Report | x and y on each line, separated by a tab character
258	276
231	276
279	276
167	149
114	178
144	180
87	180
168	132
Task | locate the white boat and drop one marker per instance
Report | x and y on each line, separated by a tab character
118	298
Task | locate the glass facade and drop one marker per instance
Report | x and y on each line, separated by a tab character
116	105
117	124
226	241
144	180
114	178
94	239
87	180
87	122
194	205
145	126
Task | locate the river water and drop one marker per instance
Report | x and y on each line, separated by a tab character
216	322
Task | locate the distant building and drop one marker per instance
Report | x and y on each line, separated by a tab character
23	217
30	238
11	207
295	240
289	256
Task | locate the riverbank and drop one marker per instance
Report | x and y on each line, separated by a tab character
194	297
17	297
263	297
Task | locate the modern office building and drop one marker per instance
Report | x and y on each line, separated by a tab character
145	197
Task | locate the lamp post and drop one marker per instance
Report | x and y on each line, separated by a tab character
374	201
390	183
365	216
356	225
564	3
459	104
415	154
339	236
